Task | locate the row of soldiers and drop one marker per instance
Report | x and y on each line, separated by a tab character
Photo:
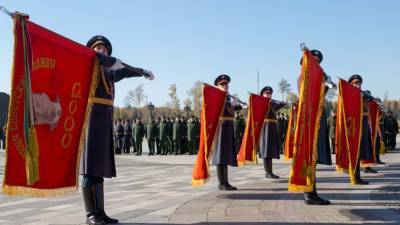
166	135
177	136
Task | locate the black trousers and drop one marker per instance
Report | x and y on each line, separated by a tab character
89	180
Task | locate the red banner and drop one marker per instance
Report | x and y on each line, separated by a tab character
51	84
290	133
258	108
311	103
373	121
211	110
348	128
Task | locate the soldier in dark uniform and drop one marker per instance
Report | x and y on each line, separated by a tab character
192	131
98	156
119	137
127	136
134	146
151	136
225	150
163	135
285	128
184	139
157	137
365	152
332	130
197	134
170	141
323	148
269	140
280	127
177	136
391	130
139	134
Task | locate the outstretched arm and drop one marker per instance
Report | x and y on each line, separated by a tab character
120	70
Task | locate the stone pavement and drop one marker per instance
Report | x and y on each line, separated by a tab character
155	190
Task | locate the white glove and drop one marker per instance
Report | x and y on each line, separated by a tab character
150	75
117	65
234	102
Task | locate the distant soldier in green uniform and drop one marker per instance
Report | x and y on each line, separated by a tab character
285	128
139	134
119	136
239	126
151	136
192	132
177	136
157	138
197	130
184	138
280	130
332	130
127	136
170	149
391	130
164	136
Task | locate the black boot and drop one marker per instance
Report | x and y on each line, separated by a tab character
312	198
230	187
369	170
89	197
268	169
221	178
100	204
359	181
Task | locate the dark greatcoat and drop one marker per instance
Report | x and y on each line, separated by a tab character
269	143
225	149
98	156
324	152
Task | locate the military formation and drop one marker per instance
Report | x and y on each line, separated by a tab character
177	135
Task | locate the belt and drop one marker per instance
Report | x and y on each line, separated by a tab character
365	114
104	101
226	118
270	121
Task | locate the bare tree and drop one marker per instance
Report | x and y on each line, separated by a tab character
175	102
196	94
187	102
284	87
135	97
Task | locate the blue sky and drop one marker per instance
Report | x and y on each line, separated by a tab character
185	41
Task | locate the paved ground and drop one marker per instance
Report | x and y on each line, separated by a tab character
156	191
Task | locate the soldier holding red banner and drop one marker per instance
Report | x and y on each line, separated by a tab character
269	142
311	145
365	152
225	151
98	157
